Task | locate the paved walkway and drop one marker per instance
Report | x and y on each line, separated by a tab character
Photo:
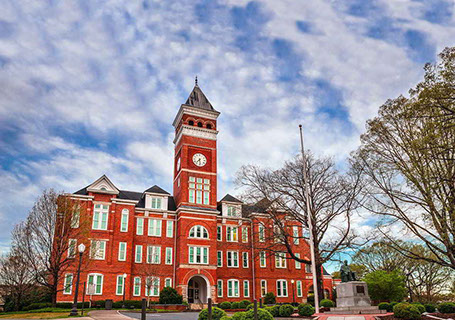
323	316
107	315
165	316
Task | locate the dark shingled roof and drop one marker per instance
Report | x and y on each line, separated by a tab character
129	195
83	191
156	189
198	99
230	198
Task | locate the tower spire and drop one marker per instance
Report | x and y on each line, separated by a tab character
195	81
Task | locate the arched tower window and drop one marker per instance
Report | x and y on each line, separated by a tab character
209	126
191	123
199	232
199	124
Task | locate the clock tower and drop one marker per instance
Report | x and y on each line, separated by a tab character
195	168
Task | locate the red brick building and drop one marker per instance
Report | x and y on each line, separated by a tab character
190	241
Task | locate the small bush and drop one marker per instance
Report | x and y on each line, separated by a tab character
274	310
406	311
385	306
269	298
238	316
235	305
305	310
99	304
446	307
327	303
217	314
250	306
420	306
286	310
244	304
225	305
225	318
64	305
310	299
170	296
430	307
35	306
262	315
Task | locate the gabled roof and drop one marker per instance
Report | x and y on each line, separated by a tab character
198	99
103	185
230	198
156	189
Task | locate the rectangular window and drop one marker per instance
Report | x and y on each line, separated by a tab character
100	215
140	226
120	285
68	283
199	190
156	203
98	249
281	288
124	220
138	254
153	285
95	280
72	248
263	287
231	211
244	234
154	254
262	259
169	228
298	265
198	255
220	288
168	259
219	259
295	231
261	232
233	288
154	228
219	233
245	259
231	234
299	289
246	288
137	287
122	251
308	268
76	216
280	260
168	282
232	259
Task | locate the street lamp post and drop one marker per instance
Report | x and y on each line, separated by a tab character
81	249
293	292
124	289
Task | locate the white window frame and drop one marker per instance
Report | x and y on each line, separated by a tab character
154	227
140	226
232	285
232	259
67	285
219	288
193	256
244	234
198	232
170	228
298	265
117	284
156	202
137	285
122	253
168	255
95	249
281	286
219	233
261	232
72	245
263	288
308	268
168	282
138	251
299	288
124	220
262	258
76	217
153	254
231	211
219	258
232	234
245	259
246	288
199	190
155	286
101	211
295	234
95	277
280	260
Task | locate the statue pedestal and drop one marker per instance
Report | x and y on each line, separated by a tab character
353	298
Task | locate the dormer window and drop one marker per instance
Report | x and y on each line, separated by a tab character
232	211
156	203
199	232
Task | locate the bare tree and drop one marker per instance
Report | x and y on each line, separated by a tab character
45	239
16	278
150	273
408	159
333	199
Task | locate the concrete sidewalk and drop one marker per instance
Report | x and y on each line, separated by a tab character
106	315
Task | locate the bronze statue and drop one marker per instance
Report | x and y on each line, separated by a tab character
346	273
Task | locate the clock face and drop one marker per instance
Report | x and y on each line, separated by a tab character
199	159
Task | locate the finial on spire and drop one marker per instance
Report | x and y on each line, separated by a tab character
195	81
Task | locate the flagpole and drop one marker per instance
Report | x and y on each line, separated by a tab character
310	223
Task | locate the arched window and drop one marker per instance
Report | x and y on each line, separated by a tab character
209	126
199	124
199	232
191	123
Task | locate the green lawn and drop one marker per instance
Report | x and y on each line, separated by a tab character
46	313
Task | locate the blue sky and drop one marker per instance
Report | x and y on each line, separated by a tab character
91	87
